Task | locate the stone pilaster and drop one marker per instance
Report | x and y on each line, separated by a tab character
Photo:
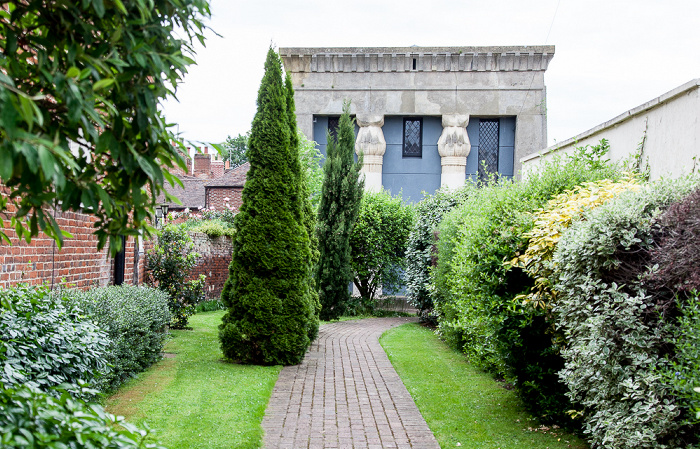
454	147
371	144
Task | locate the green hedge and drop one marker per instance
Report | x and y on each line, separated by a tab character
473	287
421	252
44	344
33	419
135	320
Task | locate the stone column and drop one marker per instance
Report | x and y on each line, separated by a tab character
454	148
370	143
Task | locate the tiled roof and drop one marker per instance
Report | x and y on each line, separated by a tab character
234	178
192	195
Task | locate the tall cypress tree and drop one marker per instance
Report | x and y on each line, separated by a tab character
270	314
341	195
308	217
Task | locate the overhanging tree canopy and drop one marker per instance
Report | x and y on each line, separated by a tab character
80	84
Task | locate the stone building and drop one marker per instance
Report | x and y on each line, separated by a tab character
427	116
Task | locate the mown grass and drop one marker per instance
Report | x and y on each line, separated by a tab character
463	406
195	400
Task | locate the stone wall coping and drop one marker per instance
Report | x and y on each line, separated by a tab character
526	49
428	59
641	109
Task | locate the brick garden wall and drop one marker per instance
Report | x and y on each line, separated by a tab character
215	257
77	263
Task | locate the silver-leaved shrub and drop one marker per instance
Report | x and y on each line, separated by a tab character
616	343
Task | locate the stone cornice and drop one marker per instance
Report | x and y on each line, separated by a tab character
427	59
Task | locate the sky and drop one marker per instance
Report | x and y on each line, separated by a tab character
610	55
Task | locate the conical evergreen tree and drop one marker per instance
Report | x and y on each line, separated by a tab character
308	216
269	317
340	202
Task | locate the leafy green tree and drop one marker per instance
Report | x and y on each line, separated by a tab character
340	204
235	149
311	165
378	243
270	314
80	129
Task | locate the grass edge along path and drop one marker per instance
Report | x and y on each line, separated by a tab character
464	407
196	400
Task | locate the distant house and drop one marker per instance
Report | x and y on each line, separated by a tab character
191	194
427	116
226	189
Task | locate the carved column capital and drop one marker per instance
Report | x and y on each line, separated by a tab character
371	144
454	147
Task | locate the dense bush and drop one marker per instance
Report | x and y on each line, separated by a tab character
683	373
677	255
135	320
34	419
617	341
168	268
224	216
473	289
550	222
44	344
421	252
210	306
272	315
378	243
212	228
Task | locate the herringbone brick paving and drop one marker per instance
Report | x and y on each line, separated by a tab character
345	394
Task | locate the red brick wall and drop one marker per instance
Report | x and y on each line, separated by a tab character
77	263
215	197
214	259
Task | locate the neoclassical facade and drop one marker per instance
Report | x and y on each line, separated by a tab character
426	116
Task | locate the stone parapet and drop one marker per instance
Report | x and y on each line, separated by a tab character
407	59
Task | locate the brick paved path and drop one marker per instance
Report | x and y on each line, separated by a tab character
346	394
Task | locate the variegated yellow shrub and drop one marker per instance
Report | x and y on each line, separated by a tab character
551	222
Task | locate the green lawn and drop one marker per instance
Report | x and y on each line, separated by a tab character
463	406
194	399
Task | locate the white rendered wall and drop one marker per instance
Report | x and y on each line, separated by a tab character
672	124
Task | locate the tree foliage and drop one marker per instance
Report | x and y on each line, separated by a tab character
80	129
378	242
271	315
311	157
235	149
340	203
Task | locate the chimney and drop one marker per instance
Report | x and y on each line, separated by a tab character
217	169
206	150
227	165
202	165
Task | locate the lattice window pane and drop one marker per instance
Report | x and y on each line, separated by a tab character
412	138
488	148
333	124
